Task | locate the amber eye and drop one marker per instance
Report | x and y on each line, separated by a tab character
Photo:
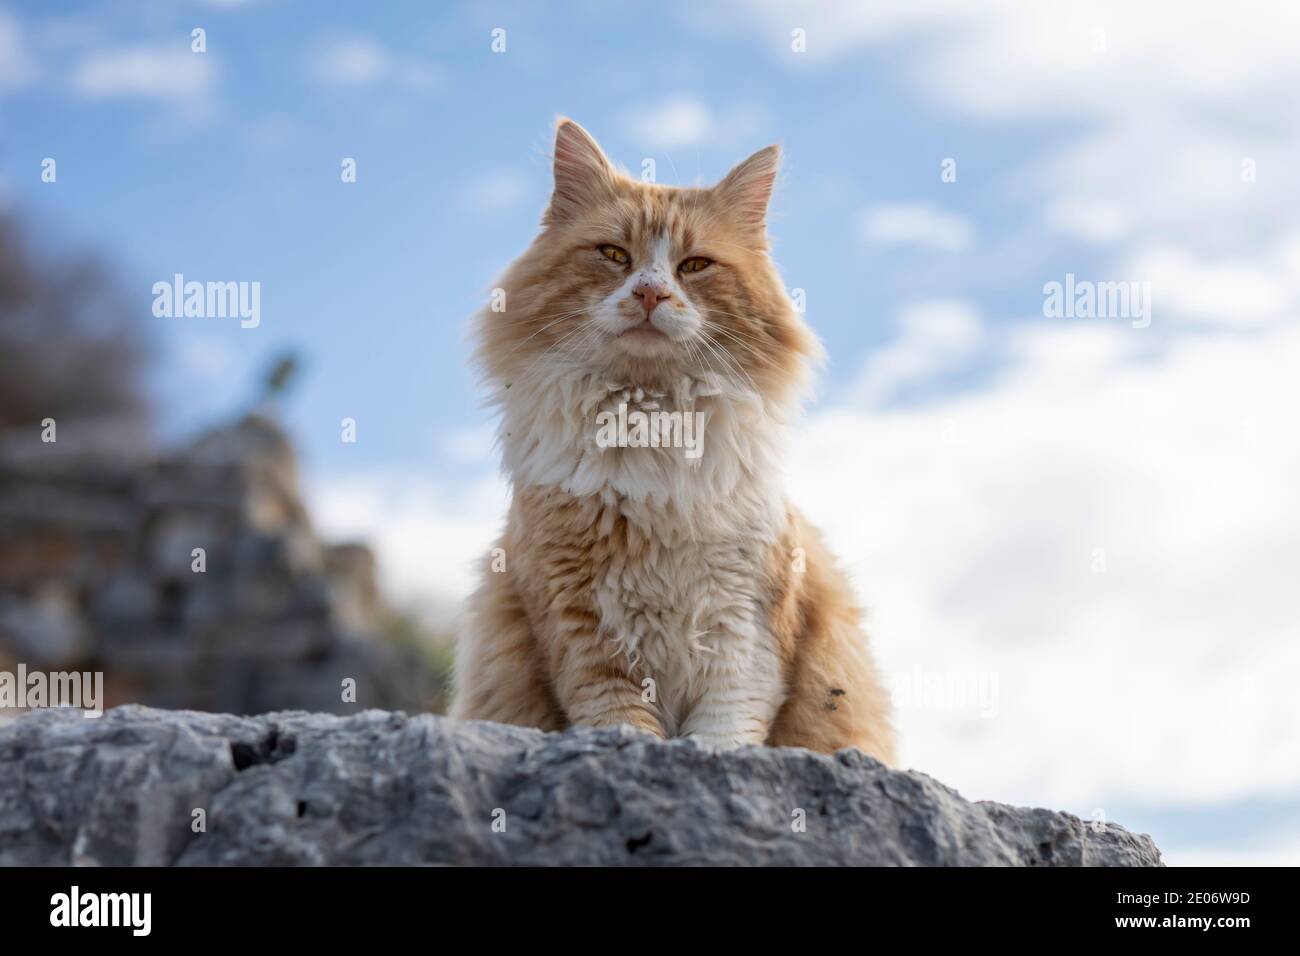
695	264
614	254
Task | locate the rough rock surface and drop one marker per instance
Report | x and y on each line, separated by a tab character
387	788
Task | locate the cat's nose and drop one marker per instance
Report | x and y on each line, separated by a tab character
651	291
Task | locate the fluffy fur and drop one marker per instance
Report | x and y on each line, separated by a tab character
638	585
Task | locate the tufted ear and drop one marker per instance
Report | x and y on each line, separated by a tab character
582	173
748	187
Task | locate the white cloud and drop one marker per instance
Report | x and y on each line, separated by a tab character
684	121
497	190
429	535
1226	291
1092	220
680	120
836	30
973	521
1178	175
359	61
151	72
916	224
472	446
1164	121
1002	58
1035	59
934	337
16	68
353	62
1280	852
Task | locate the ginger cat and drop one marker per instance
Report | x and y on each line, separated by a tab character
659	577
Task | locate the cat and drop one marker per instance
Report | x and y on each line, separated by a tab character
636	583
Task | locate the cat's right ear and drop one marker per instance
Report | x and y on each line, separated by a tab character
582	173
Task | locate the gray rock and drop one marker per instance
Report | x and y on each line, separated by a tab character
387	788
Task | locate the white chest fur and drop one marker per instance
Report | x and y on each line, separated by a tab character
687	616
685	609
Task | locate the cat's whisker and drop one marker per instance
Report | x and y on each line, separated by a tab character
748	352
713	310
761	344
537	318
543	329
731	361
740	335
582	333
748	347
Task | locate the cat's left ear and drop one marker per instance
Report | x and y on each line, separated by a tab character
746	190
582	173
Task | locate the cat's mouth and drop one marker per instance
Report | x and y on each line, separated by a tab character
645	339
645	328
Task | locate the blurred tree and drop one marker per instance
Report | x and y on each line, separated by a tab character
68	346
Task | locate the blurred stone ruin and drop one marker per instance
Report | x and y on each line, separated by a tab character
98	572
98	529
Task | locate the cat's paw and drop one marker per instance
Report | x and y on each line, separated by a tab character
716	742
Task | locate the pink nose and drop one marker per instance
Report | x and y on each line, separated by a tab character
651	292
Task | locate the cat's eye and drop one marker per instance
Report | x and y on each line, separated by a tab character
695	264
614	254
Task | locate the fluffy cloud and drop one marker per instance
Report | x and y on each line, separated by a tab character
1171	132
997	58
358	62
934	337
1092	220
354	62
496	190
917	224
151	72
16	69
430	535
1231	291
683	120
1283	852
1105	535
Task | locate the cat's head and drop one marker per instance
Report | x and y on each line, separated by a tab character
645	283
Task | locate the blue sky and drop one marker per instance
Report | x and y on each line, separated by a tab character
1090	523
373	281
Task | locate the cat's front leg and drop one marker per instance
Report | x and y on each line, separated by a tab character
741	695
595	692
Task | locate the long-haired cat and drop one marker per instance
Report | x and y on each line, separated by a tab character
645	359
